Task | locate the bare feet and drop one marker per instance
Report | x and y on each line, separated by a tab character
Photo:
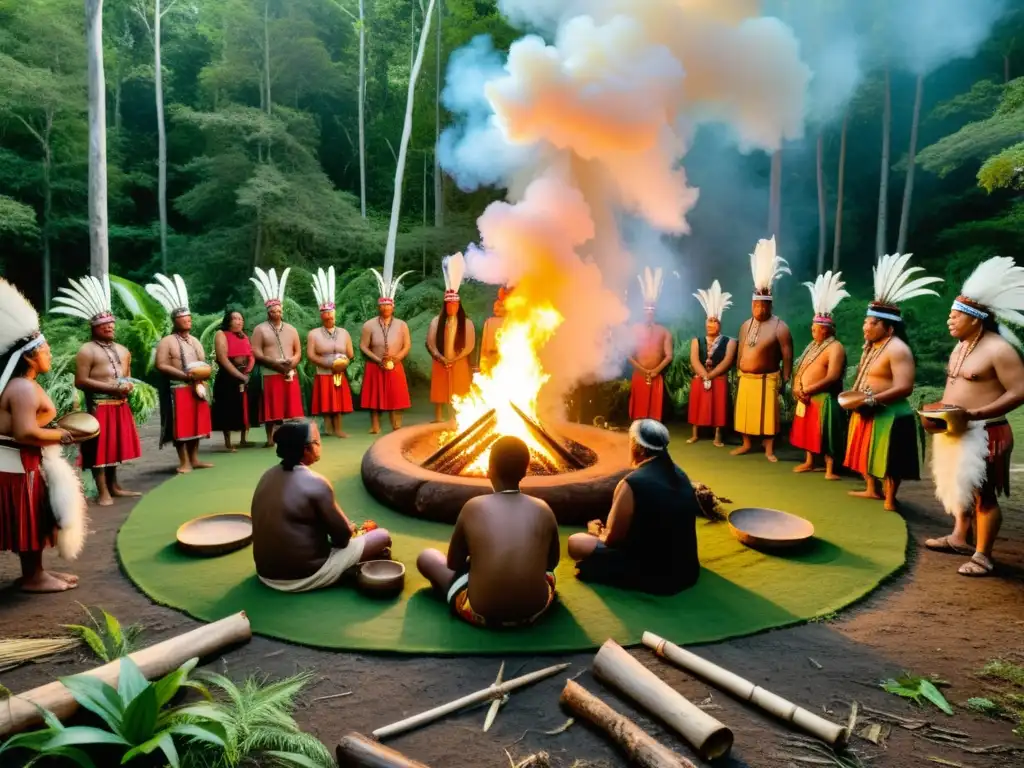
831	476
104	501
44	582
890	506
866	494
245	444
184	469
692	440
121	493
771	457
374	430
70	578
268	444
342	435
718	444
201	465
740	451
805	467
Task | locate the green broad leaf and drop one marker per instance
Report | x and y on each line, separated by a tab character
91	638
131	682
73	754
169	685
80	735
200	711
114	632
141	716
211	733
161	741
32	741
293	758
138	303
97	697
930	692
52	721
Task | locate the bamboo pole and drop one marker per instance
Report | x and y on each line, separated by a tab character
490	692
357	751
618	669
156	661
642	748
832	734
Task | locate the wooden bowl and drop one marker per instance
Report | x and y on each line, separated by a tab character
200	371
761	528
215	534
939	418
82	426
846	399
381	578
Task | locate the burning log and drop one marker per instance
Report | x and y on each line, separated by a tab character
449	452
544	437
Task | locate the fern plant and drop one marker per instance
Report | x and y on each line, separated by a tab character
108	641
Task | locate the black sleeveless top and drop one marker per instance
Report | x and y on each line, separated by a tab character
720	350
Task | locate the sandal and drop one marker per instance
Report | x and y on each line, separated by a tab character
978	565
943	544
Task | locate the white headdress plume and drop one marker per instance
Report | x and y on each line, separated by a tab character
893	285
271	289
996	286
171	294
714	300
454	269
88	299
19	328
650	286
826	293
388	288
766	266
323	289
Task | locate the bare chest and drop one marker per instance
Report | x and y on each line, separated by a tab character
330	342
385	337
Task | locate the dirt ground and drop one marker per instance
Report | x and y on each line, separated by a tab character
927	620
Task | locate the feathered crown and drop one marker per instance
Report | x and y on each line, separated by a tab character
996	287
271	289
650	286
88	299
714	301
388	290
171	293
323	289
19	328
893	286
826	293
766	266
454	269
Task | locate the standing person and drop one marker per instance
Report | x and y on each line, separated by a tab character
329	348
385	343
883	442
277	349
765	356
984	383
180	357
489	335
711	357
231	406
41	500
652	352
451	339
819	426
103	370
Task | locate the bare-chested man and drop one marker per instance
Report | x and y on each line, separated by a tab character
385	343
450	341
489	334
819	426
499	570
765	356
883	442
652	353
712	356
985	382
103	370
329	348
184	405
278	351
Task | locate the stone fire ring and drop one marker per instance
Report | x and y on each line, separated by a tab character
392	474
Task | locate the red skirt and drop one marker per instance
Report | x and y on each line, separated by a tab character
331	399
646	401
384	390
282	399
191	415
709	407
27	523
806	431
118	441
997	471
448	382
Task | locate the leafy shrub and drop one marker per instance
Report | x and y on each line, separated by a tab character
108	641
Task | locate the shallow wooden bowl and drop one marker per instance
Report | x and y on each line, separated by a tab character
82	426
939	418
381	578
215	534
846	398
200	371
762	528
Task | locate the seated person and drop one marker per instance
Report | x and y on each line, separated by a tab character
301	540
504	549
650	541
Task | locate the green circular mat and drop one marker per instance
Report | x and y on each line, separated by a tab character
740	591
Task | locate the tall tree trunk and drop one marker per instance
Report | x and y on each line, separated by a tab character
908	187
161	131
822	215
47	213
882	225
775	195
838	240
362	106
99	247
438	178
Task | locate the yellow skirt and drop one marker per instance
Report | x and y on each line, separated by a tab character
757	404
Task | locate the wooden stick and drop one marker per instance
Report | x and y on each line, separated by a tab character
491	692
155	662
357	751
830	733
642	748
614	666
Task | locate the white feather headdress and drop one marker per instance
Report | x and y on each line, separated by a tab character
454	269
388	290
88	299
714	301
650	286
996	286
271	289
323	289
19	328
171	294
826	293
766	266
893	285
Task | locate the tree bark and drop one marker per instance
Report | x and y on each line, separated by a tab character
161	130
775	195
438	178
47	213
99	247
838	239
362	106
882	226
908	187
822	215
357	751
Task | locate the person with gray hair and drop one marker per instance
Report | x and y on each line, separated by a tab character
650	540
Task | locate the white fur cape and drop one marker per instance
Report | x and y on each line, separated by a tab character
959	467
67	500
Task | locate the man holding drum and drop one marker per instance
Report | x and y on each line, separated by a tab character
329	348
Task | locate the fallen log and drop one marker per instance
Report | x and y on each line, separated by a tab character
357	751
21	711
641	748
